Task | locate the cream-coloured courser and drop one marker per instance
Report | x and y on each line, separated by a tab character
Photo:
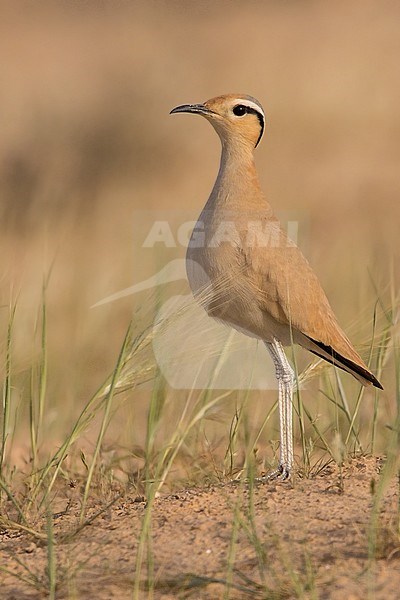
245	271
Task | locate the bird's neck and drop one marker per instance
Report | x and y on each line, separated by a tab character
237	183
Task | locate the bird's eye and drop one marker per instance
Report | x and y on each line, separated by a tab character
239	110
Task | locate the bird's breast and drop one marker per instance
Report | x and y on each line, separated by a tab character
216	269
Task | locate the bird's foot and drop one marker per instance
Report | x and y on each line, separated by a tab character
282	473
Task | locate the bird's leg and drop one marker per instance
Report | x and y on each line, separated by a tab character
285	377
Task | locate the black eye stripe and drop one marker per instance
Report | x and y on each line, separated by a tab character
252	111
241	109
260	118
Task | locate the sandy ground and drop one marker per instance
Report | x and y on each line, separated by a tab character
303	539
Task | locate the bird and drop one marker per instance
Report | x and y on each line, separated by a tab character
246	272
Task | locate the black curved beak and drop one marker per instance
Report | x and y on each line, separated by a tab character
197	109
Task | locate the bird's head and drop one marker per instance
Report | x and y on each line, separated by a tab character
235	117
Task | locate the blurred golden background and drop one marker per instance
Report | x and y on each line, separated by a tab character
87	144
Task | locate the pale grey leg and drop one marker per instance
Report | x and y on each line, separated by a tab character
285	377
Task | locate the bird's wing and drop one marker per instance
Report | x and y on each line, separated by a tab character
289	290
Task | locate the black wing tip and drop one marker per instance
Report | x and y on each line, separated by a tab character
338	358
376	383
